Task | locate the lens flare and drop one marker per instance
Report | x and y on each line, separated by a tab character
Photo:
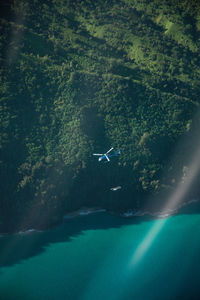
16	32
173	202
147	241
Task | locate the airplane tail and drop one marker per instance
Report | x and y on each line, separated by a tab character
118	151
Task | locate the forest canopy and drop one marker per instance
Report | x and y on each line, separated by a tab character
79	77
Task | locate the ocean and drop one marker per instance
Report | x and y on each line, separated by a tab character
102	256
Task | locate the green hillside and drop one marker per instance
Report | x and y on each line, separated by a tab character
79	77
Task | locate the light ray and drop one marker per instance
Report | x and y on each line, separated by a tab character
172	203
147	241
17	32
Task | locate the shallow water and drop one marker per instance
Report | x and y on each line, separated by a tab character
101	256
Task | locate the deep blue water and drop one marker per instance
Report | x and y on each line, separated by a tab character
103	257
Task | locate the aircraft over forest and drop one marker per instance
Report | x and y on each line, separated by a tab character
106	156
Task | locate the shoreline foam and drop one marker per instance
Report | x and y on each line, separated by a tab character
158	214
130	213
83	211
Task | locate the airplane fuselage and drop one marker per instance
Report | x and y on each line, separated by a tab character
103	157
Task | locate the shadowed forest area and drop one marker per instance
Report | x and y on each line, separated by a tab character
79	77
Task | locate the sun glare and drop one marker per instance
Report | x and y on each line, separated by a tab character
173	202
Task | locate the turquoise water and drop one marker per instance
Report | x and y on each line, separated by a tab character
102	256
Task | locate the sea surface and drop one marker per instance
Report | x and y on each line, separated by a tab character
102	256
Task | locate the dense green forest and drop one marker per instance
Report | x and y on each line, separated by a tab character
79	77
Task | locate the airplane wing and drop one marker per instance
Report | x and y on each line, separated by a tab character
97	154
109	150
107	157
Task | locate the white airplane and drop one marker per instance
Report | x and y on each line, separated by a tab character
106	156
116	188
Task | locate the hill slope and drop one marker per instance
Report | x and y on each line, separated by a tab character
78	77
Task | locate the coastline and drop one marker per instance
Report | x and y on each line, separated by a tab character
83	211
129	213
159	213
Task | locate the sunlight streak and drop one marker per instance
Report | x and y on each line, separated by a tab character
147	241
172	203
17	32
